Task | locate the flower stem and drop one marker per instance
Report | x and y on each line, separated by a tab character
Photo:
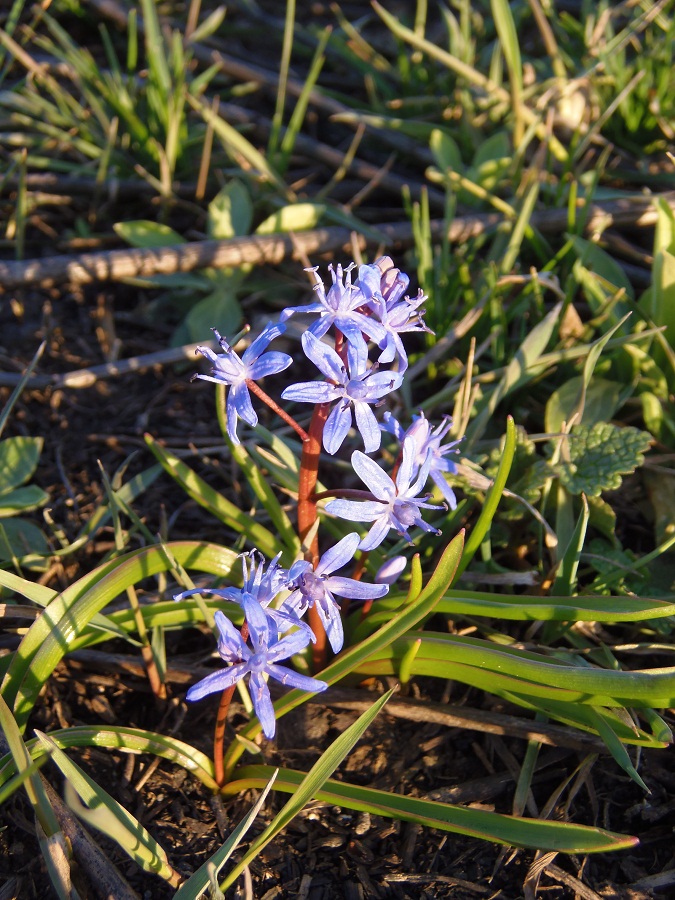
274	406
309	470
221	721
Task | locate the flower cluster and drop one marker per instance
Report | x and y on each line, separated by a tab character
275	633
365	318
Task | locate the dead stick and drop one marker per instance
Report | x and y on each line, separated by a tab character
116	265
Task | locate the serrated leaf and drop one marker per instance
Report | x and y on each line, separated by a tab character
143	233
19	457
599	455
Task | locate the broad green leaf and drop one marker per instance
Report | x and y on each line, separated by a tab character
496	147
19	457
24	539
445	151
517	832
107	815
22	499
296	217
230	212
601	402
311	784
219	309
599	455
599	262
145	234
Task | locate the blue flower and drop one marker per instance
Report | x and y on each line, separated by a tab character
317	587
260	587
396	505
229	368
383	286
354	385
260	659
428	443
339	307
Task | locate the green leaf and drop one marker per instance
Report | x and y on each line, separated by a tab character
219	309
230	212
107	815
143	233
295	217
517	832
445	151
24	539
601	402
206	29
19	457
599	263
598	455
311	784
21	500
219	506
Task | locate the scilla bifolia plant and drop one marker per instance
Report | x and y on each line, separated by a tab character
364	318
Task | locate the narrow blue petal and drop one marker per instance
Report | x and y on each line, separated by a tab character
232	417
331	619
262	703
337	427
376	534
339	555
444	488
216	681
368	427
376	480
257	622
311	392
269	364
324	357
295	680
242	401
356	510
355	590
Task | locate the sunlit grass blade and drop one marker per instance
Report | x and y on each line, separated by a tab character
206	875
415	611
311	784
108	816
510	830
121	738
219	506
50	636
494	495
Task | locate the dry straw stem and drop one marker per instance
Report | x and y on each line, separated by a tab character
116	265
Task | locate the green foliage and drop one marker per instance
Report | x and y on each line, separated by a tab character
598	455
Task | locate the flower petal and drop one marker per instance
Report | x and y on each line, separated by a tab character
269	364
355	590
376	480
337	427
242	401
339	555
356	510
216	681
376	534
324	358
311	392
367	425
295	680
262	703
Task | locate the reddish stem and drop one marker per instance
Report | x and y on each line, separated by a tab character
309	471
274	406
221	721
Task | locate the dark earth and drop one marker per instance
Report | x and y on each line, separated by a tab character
326	852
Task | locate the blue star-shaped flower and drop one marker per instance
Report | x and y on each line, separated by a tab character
317	587
235	371
396	505
354	385
260	659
